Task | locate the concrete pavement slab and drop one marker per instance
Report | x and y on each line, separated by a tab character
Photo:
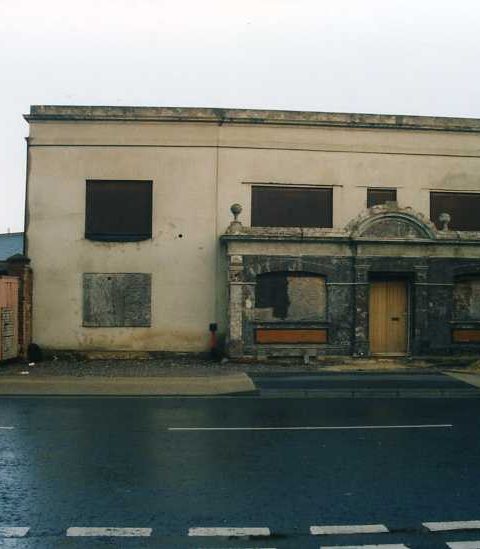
92	385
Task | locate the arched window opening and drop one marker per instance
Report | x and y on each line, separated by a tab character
291	296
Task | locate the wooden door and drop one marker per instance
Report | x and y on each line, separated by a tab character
8	317
388	317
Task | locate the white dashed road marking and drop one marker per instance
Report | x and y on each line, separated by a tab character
13	531
330	428
6	428
348	529
76	531
384	546
456	525
238	532
229	532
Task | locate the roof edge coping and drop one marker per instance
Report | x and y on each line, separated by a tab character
250	116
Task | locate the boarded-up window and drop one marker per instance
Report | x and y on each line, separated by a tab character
463	208
118	211
116	299
291	207
376	197
290	296
466	298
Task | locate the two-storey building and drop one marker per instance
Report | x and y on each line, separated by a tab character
351	234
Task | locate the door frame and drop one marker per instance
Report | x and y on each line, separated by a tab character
394	276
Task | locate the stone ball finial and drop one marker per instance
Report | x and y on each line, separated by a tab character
236	209
444	218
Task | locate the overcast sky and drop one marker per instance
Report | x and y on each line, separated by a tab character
379	56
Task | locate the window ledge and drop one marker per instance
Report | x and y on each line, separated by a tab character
120	239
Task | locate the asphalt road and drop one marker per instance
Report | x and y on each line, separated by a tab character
159	469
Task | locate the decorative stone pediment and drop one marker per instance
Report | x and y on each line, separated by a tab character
387	222
393	227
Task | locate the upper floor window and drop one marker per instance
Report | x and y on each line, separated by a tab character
291	206
376	197
118	211
463	208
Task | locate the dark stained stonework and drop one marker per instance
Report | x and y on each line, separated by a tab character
437	305
338	319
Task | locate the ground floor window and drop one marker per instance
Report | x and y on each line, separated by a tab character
466	298
116	300
291	296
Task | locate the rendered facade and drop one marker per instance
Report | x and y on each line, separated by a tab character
295	233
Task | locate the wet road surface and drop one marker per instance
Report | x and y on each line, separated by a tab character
159	469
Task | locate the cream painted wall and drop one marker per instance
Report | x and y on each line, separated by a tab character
183	268
349	173
198	171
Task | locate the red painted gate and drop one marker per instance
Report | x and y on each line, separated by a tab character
8	317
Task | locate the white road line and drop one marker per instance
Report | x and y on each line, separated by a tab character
13	531
338	428
6	428
384	546
229	532
457	525
76	531
464	544
348	529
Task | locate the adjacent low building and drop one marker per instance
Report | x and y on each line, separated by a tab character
15	297
10	244
289	233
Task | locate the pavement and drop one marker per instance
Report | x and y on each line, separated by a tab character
195	376
146	386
